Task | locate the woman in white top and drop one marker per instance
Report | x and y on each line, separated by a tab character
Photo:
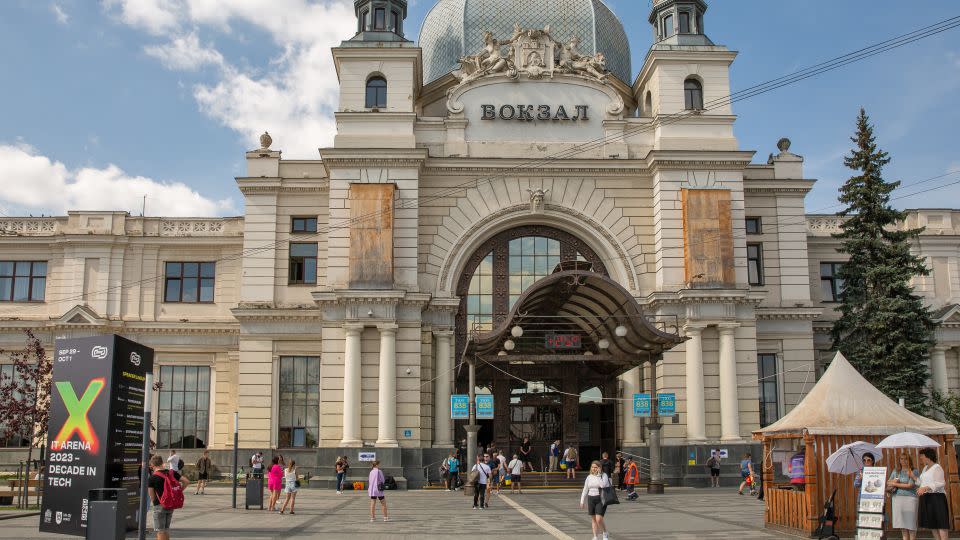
591	500
933	512
290	477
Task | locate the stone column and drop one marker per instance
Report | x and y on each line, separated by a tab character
729	398
631	425
351	387
387	403
938	368
696	422
443	425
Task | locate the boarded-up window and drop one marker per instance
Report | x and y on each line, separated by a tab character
708	238
371	236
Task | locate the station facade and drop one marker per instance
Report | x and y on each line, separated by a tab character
510	170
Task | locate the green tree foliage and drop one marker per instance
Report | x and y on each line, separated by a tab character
885	330
948	405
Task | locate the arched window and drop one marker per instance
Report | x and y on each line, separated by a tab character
648	104
376	93
693	94
506	266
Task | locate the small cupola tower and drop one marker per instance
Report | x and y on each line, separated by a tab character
679	22
380	20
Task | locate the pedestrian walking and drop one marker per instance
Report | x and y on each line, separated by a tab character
606	466
292	485
502	462
256	465
621	470
713	463
375	491
554	456
746	474
203	466
341	467
516	470
632	478
174	463
902	486
274	483
526	449
480	481
494	465
570	461
932	510
591	499
453	465
165	488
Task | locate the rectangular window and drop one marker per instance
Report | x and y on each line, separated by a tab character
303	225
183	414
379	19
299	422
303	263
831	285
755	263
8	375
394	22
364	20
769	389
668	26
23	281
754	225
684	22
189	282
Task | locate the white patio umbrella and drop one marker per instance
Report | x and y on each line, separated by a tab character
908	440
848	459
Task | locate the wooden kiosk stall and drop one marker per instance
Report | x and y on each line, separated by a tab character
841	408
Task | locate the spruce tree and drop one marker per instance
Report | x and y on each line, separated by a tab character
885	330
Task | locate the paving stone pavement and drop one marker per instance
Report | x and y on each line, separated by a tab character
681	514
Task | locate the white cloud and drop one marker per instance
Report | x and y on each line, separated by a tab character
33	182
293	97
185	53
62	16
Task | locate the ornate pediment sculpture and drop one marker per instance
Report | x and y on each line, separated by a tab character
533	53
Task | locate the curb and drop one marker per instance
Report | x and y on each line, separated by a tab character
15	516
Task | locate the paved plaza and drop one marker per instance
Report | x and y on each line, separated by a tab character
682	514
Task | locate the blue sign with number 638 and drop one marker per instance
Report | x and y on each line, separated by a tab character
460	407
641	405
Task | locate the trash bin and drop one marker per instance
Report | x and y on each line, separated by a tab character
107	514
254	491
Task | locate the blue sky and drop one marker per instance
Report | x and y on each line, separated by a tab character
106	101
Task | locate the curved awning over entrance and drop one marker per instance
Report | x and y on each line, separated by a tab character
574	301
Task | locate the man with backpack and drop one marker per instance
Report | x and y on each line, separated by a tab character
453	472
165	488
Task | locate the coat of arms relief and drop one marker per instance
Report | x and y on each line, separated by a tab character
533	53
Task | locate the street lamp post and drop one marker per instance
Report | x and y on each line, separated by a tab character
145	457
236	454
472	428
656	477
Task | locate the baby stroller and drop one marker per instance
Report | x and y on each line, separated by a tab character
828	520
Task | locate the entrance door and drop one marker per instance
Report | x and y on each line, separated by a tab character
538	417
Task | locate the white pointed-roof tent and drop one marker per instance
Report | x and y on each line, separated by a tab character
841	408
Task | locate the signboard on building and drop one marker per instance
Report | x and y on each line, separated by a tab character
460	407
641	405
484	407
96	428
666	404
367	457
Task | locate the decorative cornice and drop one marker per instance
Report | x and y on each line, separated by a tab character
304	314
788	314
703	296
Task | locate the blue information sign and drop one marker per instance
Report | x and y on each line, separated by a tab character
460	407
484	407
641	405
666	404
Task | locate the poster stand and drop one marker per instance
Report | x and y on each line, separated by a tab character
873	489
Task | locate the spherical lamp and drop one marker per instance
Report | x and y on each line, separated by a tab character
603	344
620	331
509	345
516	331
